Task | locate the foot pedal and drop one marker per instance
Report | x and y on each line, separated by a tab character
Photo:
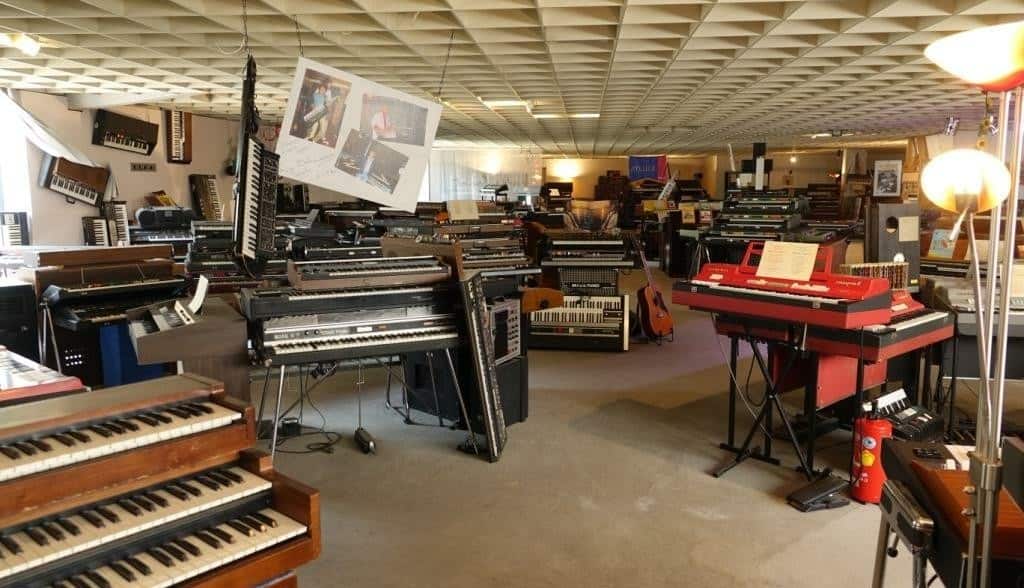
824	493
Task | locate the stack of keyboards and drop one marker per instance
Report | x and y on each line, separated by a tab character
345	309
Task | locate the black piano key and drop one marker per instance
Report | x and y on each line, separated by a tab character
241	528
191	410
187	546
97	579
113	427
207	482
152	422
160	417
181	414
201	407
60	584
194	491
156	499
100	431
177	492
208	539
130	507
10	544
108	514
139	566
53	531
78	436
93	519
230	475
39	538
78	582
69	526
143	502
24	448
40	445
254	524
174	552
123	571
125	424
264	519
216	477
160	556
221	534
64	440
10	452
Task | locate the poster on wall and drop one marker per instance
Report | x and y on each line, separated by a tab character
648	167
350	135
887	181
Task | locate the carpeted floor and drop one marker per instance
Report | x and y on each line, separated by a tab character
606	484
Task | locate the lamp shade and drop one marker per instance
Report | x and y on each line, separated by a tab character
989	57
965	179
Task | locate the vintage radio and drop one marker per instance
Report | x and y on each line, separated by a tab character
154	218
178	127
75	181
123	132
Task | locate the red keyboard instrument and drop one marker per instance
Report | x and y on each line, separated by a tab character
23	380
828	300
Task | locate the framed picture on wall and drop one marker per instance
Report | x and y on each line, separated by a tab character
888	179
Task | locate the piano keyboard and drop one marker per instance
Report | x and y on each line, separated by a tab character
355	273
44	540
95	228
74	189
11	235
120	219
126	143
25	456
315	114
271	302
56	294
259	201
583	322
177	135
174	559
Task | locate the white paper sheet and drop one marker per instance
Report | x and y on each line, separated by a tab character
787	261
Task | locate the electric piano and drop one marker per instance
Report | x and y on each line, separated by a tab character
178	131
762	216
79	182
261	303
366	273
23	380
205	196
150	484
588	250
826	300
599	323
124	132
338	251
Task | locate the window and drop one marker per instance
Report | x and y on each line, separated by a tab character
15	186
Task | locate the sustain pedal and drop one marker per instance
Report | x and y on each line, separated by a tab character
824	493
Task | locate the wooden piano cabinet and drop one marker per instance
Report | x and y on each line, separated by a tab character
53	491
290	498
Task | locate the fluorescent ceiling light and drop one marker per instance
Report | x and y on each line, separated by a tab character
547	115
585	115
22	42
820	135
503	103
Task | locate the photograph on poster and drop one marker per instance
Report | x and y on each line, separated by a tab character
887	178
387	118
371	161
320	108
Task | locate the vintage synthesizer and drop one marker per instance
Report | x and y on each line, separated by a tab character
827	299
173	236
150	484
23	380
261	303
355	334
588	250
205	197
318	252
909	421
366	273
178	131
13	228
95	231
256	181
78	182
600	323
754	216
124	132
116	212
103	299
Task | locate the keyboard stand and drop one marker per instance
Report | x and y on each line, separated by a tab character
772	402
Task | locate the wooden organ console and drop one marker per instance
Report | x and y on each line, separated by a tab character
145	485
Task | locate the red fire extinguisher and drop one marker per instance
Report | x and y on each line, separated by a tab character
868	475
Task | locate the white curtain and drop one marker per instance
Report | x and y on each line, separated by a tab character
460	174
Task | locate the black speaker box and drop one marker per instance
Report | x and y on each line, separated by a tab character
18	318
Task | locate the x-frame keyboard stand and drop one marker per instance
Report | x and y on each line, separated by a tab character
772	403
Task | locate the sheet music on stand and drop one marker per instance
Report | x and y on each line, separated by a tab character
196	304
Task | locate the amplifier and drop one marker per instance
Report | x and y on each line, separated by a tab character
18	318
164	217
893	233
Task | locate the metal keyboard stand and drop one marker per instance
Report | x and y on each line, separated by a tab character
903	516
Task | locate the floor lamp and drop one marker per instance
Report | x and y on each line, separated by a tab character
970	181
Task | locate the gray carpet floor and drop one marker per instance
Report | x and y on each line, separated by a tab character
606	484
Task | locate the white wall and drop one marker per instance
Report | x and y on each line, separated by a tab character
54	221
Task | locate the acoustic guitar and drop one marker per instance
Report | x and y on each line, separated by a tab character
655	318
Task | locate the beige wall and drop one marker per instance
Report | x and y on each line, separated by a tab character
583	173
54	221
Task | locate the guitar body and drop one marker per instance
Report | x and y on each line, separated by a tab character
655	318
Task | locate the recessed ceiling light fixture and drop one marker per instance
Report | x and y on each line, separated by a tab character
510	103
21	42
547	115
585	115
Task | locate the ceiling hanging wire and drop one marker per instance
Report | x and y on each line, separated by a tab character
245	27
444	69
298	35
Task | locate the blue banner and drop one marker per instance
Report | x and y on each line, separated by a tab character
648	166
